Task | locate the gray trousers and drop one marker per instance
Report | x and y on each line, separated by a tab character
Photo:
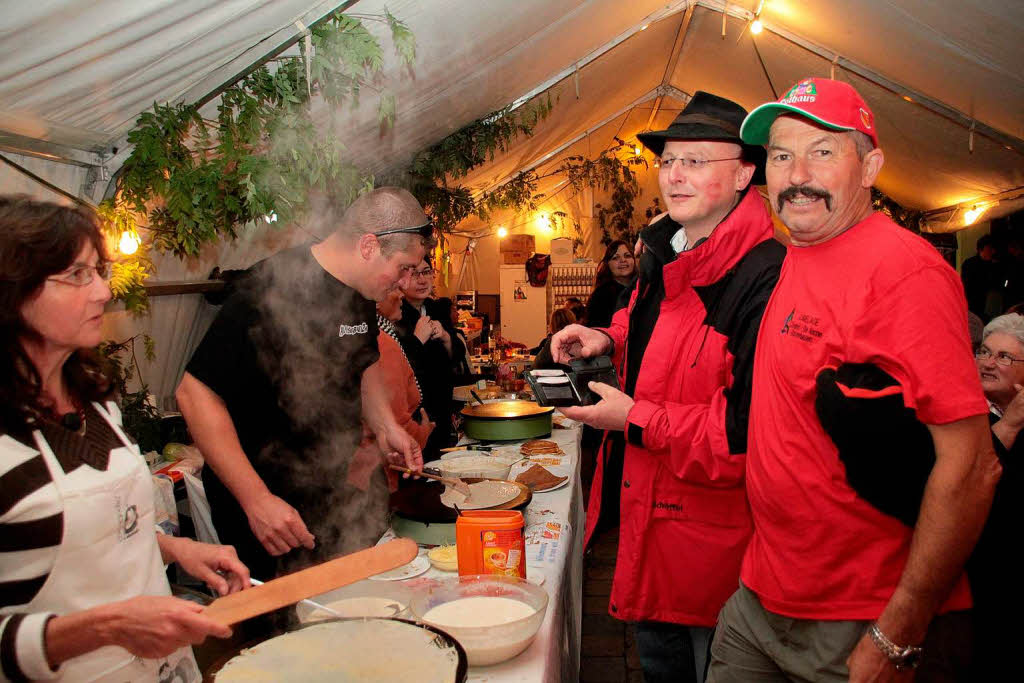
753	645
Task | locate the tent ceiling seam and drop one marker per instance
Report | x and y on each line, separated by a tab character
548	83
919	98
1006	195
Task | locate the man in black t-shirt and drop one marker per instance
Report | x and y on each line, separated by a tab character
275	393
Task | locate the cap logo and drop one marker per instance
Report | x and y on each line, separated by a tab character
804	91
865	118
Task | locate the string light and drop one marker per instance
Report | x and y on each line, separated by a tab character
502	232
637	150
129	243
756	26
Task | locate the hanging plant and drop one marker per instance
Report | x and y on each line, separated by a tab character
191	181
912	219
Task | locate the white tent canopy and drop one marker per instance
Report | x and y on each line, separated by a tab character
943	78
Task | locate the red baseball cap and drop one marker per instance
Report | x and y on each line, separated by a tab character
832	104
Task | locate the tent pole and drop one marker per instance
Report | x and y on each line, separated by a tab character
45	183
671	63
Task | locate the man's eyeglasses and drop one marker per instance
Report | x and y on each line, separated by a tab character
1001	358
690	164
81	275
426	230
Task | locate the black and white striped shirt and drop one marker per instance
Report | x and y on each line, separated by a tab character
31	531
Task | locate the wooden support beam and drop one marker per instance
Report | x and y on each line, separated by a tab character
171	288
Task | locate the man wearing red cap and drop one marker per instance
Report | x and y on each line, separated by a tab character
832	588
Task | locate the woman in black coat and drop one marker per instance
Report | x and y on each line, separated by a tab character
616	275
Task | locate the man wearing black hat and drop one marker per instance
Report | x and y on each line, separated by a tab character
684	352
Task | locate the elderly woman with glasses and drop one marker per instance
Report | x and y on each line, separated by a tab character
998	599
83	590
1000	359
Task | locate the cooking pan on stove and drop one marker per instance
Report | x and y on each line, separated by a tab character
506	420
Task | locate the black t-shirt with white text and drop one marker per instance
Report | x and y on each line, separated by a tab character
286	354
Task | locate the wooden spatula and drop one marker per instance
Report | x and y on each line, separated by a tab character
290	589
456	483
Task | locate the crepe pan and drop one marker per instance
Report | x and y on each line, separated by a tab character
506	421
443	640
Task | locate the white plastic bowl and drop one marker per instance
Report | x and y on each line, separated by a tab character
486	645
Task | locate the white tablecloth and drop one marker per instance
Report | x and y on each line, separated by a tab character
554	654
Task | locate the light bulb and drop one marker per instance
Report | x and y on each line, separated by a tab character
637	150
972	214
129	243
756	26
502	232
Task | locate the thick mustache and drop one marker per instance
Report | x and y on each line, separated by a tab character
793	191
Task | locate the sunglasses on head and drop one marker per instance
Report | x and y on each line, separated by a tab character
426	230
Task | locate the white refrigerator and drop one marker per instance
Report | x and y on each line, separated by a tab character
524	308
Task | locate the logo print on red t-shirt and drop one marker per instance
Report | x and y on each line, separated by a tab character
802	326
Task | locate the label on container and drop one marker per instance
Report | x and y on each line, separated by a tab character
503	553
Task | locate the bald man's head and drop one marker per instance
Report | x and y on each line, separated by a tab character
384	208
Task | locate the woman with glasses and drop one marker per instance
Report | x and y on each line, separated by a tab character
998	601
435	350
616	275
83	589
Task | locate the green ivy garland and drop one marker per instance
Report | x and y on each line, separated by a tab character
191	181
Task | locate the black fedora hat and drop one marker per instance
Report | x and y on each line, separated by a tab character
709	117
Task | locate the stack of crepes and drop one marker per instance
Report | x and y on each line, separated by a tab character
540	447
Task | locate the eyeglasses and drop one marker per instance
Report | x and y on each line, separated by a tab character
426	272
1001	358
690	164
426	230
81	275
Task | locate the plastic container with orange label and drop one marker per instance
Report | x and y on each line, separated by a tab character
491	542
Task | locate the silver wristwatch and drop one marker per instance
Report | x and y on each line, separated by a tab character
903	658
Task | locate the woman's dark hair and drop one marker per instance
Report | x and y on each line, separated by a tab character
604	273
561	318
39	239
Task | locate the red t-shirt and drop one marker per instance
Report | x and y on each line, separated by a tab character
875	294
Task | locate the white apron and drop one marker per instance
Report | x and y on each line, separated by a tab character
108	553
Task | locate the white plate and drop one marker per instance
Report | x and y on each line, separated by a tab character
548	373
406	571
